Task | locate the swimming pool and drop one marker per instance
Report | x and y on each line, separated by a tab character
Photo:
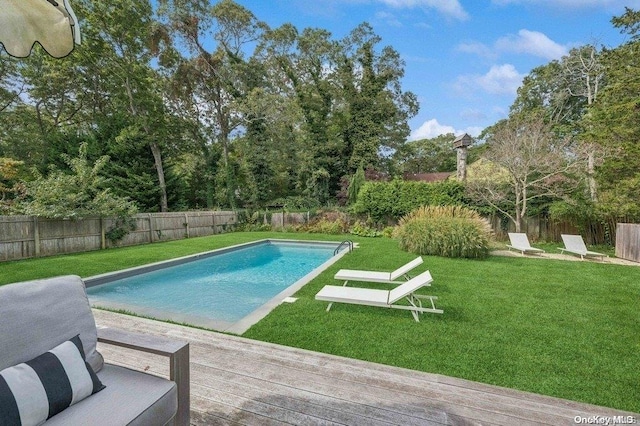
227	290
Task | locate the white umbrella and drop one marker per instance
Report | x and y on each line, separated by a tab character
51	23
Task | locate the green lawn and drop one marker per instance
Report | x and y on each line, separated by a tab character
566	329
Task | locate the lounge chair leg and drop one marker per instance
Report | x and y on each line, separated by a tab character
329	307
415	316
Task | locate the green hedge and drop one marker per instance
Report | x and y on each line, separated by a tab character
392	200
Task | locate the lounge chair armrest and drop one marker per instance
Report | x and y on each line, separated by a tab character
177	351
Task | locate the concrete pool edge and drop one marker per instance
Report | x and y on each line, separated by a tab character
245	323
237	327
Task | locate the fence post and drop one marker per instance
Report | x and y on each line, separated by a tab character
103	239
186	224
36	235
150	228
213	220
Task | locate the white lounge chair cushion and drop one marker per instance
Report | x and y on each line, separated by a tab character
354	295
375	276
520	241
356	275
373	297
575	244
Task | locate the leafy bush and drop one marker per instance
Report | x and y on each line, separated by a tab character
330	222
362	229
387	232
450	231
324	226
254	221
294	203
392	200
83	192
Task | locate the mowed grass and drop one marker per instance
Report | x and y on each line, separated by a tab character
565	329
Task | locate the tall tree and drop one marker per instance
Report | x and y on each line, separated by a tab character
533	160
428	155
216	37
614	120
377	110
118	37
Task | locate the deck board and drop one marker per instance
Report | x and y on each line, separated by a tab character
246	382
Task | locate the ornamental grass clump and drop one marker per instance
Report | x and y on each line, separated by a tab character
449	231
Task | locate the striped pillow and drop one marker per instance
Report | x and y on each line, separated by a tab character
35	390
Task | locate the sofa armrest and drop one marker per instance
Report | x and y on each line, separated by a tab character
177	351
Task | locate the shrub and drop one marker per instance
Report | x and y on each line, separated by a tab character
392	200
329	222
362	229
324	226
450	231
387	232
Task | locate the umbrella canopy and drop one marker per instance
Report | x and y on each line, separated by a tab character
51	23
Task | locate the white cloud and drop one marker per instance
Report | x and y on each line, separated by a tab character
526	41
451	8
432	128
389	19
477	48
531	42
499	80
573	4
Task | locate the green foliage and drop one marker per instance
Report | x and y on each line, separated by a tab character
355	184
293	203
392	200
428	155
82	193
258	220
325	226
450	231
120	229
362	229
9	186
387	231
328	222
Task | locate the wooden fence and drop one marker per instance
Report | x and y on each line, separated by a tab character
628	241
544	229
22	237
280	220
537	228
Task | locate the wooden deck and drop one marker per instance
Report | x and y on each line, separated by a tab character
244	382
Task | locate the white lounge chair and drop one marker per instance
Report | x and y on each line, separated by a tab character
575	244
520	241
383	298
378	277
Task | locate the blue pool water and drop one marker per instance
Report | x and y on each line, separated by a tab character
219	289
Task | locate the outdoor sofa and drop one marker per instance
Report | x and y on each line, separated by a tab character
38	320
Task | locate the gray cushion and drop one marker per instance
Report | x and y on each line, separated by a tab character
39	315
130	398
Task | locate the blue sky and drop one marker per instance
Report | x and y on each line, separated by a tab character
464	59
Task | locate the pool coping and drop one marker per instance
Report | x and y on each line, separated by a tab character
237	327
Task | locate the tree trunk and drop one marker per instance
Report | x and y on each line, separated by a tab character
591	165
157	159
